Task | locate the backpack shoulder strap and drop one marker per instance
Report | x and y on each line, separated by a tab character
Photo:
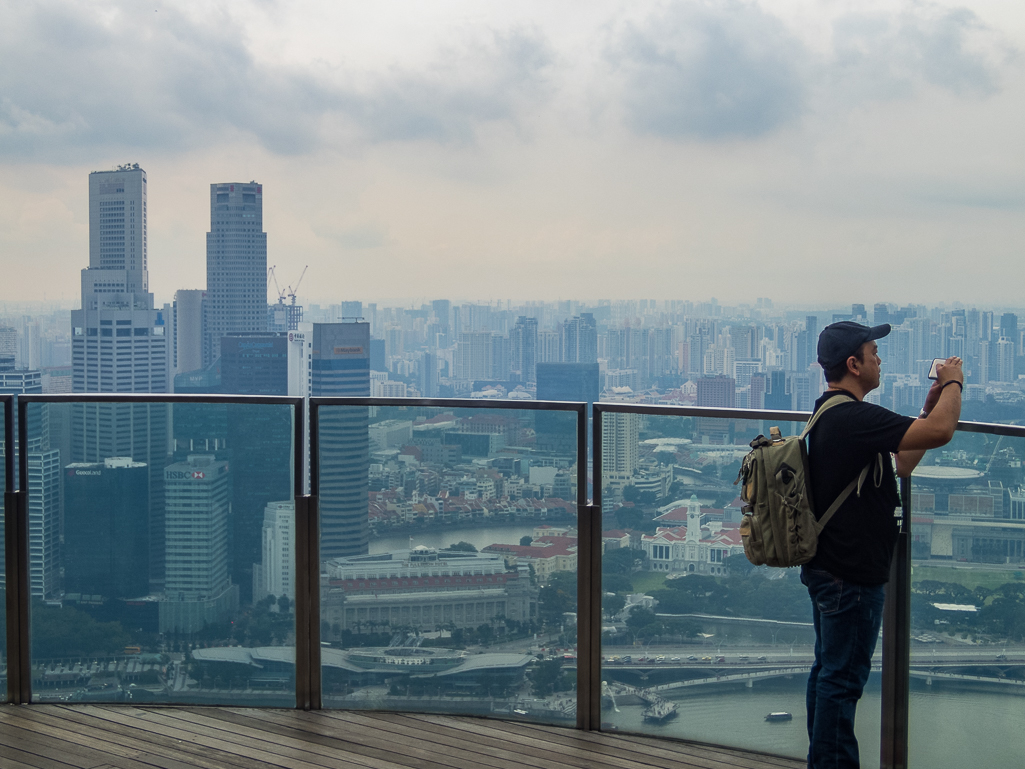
834	401
820	524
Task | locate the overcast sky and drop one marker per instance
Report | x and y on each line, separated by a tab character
808	151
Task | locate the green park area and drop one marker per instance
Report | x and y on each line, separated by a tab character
971	577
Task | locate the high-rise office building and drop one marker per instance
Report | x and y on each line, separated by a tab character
580	339
523	349
258	438
198	590
44	486
620	448
275	575
188	330
120	343
8	347
716	391
563	382
474	356
106	534
333	359
427	374
236	264
254	363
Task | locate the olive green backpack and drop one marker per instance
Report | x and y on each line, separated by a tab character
779	526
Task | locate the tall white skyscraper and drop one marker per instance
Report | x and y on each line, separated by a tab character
275	574
120	343
236	265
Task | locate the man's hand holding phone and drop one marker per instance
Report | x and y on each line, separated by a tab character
943	372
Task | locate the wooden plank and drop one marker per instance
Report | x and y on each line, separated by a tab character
504	752
289	749
125	742
60	749
643	752
17	758
478	752
359	742
243	752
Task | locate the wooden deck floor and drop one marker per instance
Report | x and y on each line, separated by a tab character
104	737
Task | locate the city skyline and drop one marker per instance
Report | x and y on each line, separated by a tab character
660	150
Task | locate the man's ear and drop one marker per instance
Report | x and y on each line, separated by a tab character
852	365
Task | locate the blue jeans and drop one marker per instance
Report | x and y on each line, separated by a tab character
847	617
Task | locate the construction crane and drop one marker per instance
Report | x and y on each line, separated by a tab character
291	291
272	276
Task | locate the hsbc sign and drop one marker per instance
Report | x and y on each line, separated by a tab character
184	475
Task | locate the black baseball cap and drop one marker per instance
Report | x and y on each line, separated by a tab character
839	341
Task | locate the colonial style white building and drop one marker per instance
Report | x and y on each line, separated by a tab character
692	549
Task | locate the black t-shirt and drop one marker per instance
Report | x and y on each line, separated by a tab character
857	542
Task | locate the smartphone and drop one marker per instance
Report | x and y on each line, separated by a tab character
932	369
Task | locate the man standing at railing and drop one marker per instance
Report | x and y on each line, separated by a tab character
846	578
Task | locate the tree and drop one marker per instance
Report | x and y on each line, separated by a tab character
525	541
640	617
612	604
545	678
462	547
558	596
284	604
622	560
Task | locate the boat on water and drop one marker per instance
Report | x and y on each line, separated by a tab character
660	711
779	716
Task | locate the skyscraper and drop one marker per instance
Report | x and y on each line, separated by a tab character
106	541
333	359
198	589
580	339
120	343
43	486
523	349
236	264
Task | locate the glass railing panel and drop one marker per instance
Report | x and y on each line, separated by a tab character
448	560
161	553
695	640
6	453
968	604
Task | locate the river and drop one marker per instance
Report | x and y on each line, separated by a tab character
952	727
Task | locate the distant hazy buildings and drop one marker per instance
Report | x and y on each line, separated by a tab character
236	264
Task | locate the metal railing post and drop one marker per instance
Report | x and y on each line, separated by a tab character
19	671
893	742
589	595
307	605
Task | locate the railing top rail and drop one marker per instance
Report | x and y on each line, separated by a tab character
282	400
451	403
988	428
702	411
